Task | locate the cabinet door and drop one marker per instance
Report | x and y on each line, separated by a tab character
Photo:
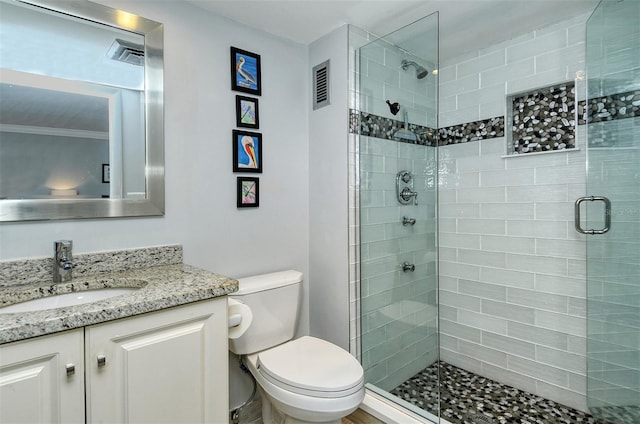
163	367
34	384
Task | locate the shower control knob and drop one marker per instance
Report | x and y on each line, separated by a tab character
408	221
407	194
406	267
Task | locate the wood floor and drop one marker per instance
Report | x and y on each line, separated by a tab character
361	417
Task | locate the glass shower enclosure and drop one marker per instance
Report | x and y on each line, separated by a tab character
398	197
397	181
613	179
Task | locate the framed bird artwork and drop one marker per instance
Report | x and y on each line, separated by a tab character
245	71
247	151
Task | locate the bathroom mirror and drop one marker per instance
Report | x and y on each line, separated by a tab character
81	112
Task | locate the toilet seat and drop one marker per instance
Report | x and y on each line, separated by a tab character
312	367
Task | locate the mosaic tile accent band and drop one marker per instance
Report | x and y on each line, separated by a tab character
380	127
549	115
543	119
609	108
472	131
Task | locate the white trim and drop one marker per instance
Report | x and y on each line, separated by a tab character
389	412
524	155
57	132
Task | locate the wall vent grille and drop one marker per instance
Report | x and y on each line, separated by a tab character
321	87
126	51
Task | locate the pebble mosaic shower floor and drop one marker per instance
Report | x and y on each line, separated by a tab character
472	399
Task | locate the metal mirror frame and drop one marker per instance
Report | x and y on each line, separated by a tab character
153	203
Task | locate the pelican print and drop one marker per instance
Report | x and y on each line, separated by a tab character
247	144
244	73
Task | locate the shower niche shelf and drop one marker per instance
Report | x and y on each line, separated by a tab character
541	120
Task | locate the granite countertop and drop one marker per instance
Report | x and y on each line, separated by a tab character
161	287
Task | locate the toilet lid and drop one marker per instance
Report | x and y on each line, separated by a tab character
313	367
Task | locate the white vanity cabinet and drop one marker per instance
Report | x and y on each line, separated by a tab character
166	366
42	379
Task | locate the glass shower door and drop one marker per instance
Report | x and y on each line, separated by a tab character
613	176
397	222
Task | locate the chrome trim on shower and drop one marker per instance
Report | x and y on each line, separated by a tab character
408	221
407	267
421	71
404	188
607	214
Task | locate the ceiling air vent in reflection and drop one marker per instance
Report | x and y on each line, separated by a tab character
126	51
321	87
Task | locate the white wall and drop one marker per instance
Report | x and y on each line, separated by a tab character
328	210
201	211
512	268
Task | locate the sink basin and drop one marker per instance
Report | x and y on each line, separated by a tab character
67	299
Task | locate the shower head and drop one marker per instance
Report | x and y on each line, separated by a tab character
421	71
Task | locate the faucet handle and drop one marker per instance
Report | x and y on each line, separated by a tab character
67	244
63	248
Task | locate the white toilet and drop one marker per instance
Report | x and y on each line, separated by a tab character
307	380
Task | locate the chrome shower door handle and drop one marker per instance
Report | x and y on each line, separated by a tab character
607	214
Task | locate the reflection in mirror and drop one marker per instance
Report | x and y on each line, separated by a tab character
81	112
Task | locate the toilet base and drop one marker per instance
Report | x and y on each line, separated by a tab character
271	415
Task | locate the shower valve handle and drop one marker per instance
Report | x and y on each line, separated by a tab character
404	188
406	267
408	221
407	194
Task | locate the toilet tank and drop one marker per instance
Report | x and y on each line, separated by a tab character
274	300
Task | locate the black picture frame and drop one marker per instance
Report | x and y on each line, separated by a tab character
248	192
245	72
247	112
106	173
247	151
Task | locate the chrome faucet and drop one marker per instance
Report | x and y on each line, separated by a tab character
406	267
408	221
62	260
